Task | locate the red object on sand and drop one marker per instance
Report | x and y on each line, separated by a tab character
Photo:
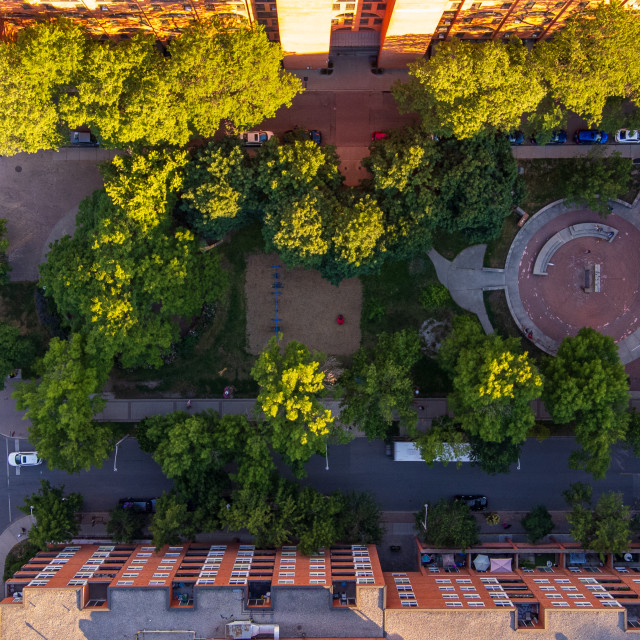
340	319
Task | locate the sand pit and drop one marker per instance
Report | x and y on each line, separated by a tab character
307	308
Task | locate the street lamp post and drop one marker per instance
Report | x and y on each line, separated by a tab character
424	524
326	456
31	509
115	459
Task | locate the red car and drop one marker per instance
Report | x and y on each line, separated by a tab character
379	135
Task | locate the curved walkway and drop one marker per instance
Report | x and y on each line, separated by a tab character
10	537
467	280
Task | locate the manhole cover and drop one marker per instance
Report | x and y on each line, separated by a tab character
18	169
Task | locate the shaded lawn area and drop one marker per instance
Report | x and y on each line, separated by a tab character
391	302
545	183
18	308
205	364
497	250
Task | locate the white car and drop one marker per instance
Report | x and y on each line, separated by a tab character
24	459
255	138
628	136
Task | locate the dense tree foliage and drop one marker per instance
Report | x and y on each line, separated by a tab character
123	287
54	513
593	180
537	523
218	189
595	56
16	351
61	407
604	528
378	387
131	95
493	383
494	457
467	87
443	442
450	524
587	384
291	383
126	525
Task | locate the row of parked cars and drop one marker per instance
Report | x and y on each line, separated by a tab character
583	136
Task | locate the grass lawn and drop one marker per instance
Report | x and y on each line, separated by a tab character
391	302
545	183
218	356
496	253
18	308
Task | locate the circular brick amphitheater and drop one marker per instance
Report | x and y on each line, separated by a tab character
572	274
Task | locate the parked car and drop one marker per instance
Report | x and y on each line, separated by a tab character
302	134
516	137
146	505
590	136
475	502
24	459
628	136
83	139
255	138
379	135
558	137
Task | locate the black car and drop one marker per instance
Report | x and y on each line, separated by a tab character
475	502
83	139
143	504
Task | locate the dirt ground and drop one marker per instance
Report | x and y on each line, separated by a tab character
307	307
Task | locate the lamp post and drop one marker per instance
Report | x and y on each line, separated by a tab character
31	509
115	459
424	524
326	456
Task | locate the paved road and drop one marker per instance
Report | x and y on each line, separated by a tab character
360	465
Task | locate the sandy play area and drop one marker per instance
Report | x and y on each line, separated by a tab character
307	307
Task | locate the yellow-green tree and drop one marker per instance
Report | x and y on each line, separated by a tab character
291	383
470	86
493	384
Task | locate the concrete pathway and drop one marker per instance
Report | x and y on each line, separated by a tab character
9	538
467	280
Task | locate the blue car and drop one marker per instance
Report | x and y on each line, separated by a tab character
558	137
517	137
316	136
590	136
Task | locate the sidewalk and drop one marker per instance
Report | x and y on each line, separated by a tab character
9	538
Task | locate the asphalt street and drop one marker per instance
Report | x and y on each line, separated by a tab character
360	465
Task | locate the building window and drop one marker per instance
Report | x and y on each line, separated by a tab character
366	6
336	7
350	6
506	5
259	7
348	21
382	6
377	21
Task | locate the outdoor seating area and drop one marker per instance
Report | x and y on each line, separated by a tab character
633	615
182	594
584	562
484	563
259	593
627	562
344	593
447	562
528	614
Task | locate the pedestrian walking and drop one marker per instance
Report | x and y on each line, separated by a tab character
188	404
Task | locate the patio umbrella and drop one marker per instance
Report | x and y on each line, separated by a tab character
500	565
481	562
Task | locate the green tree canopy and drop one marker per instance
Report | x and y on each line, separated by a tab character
443	442
587	383
537	523
16	351
467	87
603	529
450	524
124	288
493	384
494	457
290	384
172	522
54	513
126	525
61	407
478	186
35	73
594	179
217	192
378	387
595	56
